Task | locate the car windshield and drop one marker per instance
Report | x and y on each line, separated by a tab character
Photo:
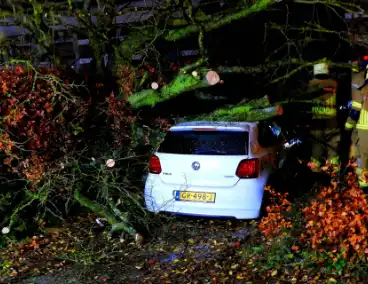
205	143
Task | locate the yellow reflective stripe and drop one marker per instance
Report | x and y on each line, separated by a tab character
356	104
363	117
361	126
349	125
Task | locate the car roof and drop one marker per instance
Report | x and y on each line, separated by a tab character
223	125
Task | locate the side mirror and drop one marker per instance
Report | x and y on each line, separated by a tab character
276	130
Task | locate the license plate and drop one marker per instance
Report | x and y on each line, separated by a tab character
207	197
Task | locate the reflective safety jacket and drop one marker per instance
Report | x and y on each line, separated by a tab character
358	114
323	107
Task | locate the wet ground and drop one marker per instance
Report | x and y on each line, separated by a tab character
185	248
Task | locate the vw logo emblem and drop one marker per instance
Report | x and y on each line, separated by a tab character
196	166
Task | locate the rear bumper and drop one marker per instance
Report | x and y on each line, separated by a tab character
242	201
212	212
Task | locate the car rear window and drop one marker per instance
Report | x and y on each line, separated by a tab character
205	143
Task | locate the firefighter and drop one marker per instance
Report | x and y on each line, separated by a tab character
358	117
324	117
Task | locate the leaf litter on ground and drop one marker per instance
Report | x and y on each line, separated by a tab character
186	251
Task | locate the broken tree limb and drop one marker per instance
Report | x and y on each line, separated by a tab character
219	21
116	225
258	102
240	69
184	82
181	84
254	110
244	113
266	66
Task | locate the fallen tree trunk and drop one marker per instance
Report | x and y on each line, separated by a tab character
182	83
219	21
244	113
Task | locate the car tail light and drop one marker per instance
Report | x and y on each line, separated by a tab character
248	168
365	58
155	165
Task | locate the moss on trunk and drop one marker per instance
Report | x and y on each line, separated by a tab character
244	113
182	83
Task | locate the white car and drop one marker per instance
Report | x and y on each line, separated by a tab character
216	169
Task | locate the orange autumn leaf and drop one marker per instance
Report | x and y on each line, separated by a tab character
4	88
34	244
